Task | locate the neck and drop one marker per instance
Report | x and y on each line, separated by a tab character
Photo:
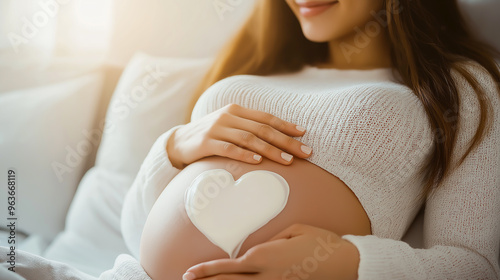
359	51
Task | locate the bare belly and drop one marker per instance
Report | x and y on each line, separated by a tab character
171	244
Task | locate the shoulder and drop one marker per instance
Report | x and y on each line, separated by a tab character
223	86
469	98
248	80
469	77
470	109
235	83
478	74
236	79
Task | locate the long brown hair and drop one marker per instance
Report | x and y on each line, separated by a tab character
428	39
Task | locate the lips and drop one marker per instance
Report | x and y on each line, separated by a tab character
312	8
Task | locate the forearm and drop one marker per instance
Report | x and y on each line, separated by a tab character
382	258
155	173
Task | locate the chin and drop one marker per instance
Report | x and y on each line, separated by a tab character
317	34
316	38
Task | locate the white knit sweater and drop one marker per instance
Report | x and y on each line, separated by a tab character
373	134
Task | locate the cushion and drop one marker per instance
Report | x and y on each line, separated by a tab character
43	140
152	96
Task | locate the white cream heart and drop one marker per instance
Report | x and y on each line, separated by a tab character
227	212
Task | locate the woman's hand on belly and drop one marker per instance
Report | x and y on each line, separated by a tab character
238	133
298	252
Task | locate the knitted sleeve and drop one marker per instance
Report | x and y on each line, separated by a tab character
461	222
155	173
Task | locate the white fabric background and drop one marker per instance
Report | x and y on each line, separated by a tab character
151	97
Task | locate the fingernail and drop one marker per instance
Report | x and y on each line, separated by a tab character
287	157
300	128
257	157
306	149
188	276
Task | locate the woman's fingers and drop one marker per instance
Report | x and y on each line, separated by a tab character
266	118
270	135
291	231
223	266
230	150
262	139
234	277
239	133
250	141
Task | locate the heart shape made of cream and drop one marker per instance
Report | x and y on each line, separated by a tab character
228	211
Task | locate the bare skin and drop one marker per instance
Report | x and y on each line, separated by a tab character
171	243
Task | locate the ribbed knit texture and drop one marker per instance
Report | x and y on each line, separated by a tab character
374	134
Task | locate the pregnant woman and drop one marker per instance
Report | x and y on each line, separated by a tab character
369	110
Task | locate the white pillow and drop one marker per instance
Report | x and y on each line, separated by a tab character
138	113
42	139
152	96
